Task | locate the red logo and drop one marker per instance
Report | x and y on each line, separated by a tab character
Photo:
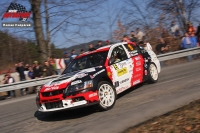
17	11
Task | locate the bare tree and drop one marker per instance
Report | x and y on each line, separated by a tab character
48	38
113	11
35	4
137	15
180	10
118	33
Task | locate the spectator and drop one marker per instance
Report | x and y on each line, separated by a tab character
133	37
145	45
48	70
5	80
37	70
8	79
174	29
194	39
30	72
26	69
66	59
125	39
191	29
198	41
161	48
186	43
165	35
82	51
99	44
91	47
37	73
198	31
53	63
107	42
20	69
140	35
73	55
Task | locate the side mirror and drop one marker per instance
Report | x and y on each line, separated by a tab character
111	60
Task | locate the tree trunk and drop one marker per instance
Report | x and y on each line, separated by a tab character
184	17
48	39
38	29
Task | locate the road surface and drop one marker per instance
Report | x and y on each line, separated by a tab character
177	86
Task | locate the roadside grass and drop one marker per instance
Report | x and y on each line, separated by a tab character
183	120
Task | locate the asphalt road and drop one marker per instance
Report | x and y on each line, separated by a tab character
177	86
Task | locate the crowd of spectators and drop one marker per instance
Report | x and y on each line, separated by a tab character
27	72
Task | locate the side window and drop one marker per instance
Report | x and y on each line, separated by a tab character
133	50
118	55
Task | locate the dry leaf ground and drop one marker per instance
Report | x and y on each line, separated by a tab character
182	120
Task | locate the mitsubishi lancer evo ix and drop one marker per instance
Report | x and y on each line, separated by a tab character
98	76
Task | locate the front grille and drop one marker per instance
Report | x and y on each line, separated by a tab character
53	105
52	93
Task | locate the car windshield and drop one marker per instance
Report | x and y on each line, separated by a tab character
87	61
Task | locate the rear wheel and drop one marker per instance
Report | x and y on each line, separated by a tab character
107	95
153	73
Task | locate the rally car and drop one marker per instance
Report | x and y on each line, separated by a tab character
98	76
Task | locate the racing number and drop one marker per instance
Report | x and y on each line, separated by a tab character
116	67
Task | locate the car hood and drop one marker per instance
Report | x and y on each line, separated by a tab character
64	80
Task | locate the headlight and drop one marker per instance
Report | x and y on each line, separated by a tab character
78	87
38	90
88	84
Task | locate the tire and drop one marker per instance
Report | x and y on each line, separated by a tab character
107	96
153	73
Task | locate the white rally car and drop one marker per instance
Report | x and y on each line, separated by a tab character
96	77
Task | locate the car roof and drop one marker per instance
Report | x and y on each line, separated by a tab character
101	49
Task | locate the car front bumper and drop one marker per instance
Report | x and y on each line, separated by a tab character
70	102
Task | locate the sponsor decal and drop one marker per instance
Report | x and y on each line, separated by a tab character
135	76
76	82
122	71
138	63
138	69
47	89
90	70
81	75
92	95
91	76
51	88
130	47
145	72
109	74
137	58
98	72
99	66
123	81
121	65
54	87
136	82
122	89
116	67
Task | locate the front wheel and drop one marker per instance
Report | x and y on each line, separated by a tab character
153	73
107	95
